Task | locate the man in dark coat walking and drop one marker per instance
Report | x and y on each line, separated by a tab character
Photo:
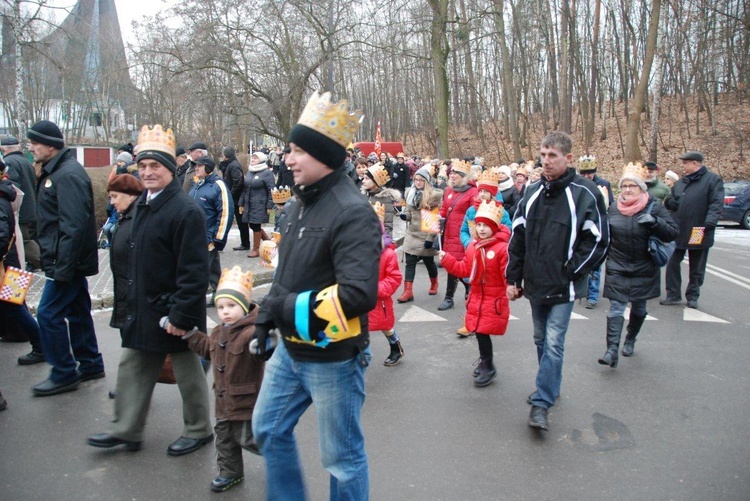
231	172
67	239
696	201
166	295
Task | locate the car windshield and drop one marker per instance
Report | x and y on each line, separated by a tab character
735	187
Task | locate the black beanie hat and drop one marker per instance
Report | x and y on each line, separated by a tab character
47	133
163	158
321	147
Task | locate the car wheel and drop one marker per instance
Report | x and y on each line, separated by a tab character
745	221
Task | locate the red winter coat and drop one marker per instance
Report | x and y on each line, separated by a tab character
487	310
455	205
382	318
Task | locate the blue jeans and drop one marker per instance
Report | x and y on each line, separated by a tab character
24	320
617	308
337	389
68	301
550	326
594	281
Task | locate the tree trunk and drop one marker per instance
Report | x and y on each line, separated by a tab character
440	51
632	147
509	95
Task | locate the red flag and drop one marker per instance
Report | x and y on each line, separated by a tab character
377	139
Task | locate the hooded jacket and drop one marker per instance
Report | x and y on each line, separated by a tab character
560	234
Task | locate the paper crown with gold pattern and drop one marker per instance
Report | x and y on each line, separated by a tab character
637	173
378	174
156	139
237	285
281	194
489	177
400	154
379	210
268	251
333	120
489	211
588	163
461	166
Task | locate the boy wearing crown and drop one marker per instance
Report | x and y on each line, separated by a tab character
373	187
487	311
237	373
325	284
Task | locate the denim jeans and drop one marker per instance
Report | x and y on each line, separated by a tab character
69	301
24	320
550	326
337	389
594	281
617	308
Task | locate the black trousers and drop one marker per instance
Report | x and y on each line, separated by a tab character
244	230
698	260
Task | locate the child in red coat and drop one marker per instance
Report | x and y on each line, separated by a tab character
487	310
382	317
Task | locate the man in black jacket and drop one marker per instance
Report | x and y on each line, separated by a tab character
67	238
231	172
696	201
560	233
325	284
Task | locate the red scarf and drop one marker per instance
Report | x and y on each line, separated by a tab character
480	258
632	206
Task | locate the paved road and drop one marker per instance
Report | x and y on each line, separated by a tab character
669	423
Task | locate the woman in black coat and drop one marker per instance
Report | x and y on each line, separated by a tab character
256	200
632	276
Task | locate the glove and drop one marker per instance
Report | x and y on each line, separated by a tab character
428	244
261	341
402	216
646	219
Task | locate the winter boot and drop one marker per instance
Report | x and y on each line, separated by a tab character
463	331
433	286
486	373
256	245
408	294
396	353
614	329
264	235
450	290
634	327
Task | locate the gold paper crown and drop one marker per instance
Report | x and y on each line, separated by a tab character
379	174
489	177
588	162
379	210
636	170
267	251
442	171
400	154
281	195
490	209
461	166
333	120
237	281
156	139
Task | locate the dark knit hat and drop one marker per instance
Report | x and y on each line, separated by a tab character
126	183
126	147
207	162
321	147
47	133
163	158
9	141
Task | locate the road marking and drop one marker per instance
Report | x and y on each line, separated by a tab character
693	315
576	316
417	314
728	276
648	317
210	324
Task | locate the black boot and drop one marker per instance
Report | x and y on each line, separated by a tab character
396	353
486	374
614	330
450	290
634	327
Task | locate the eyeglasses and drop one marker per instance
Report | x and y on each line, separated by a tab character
629	186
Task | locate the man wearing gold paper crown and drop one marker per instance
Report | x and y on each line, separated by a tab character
325	284
66	229
166	295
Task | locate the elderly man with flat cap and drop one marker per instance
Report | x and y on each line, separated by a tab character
194	151
165	299
696	203
67	238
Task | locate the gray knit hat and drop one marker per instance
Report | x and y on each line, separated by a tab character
424	173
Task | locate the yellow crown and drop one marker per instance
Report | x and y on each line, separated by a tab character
268	250
236	280
333	120
588	162
281	195
379	174
489	177
442	171
400	154
636	170
379	210
490	209
461	166
156	139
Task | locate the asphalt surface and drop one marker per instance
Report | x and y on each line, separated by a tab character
670	423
